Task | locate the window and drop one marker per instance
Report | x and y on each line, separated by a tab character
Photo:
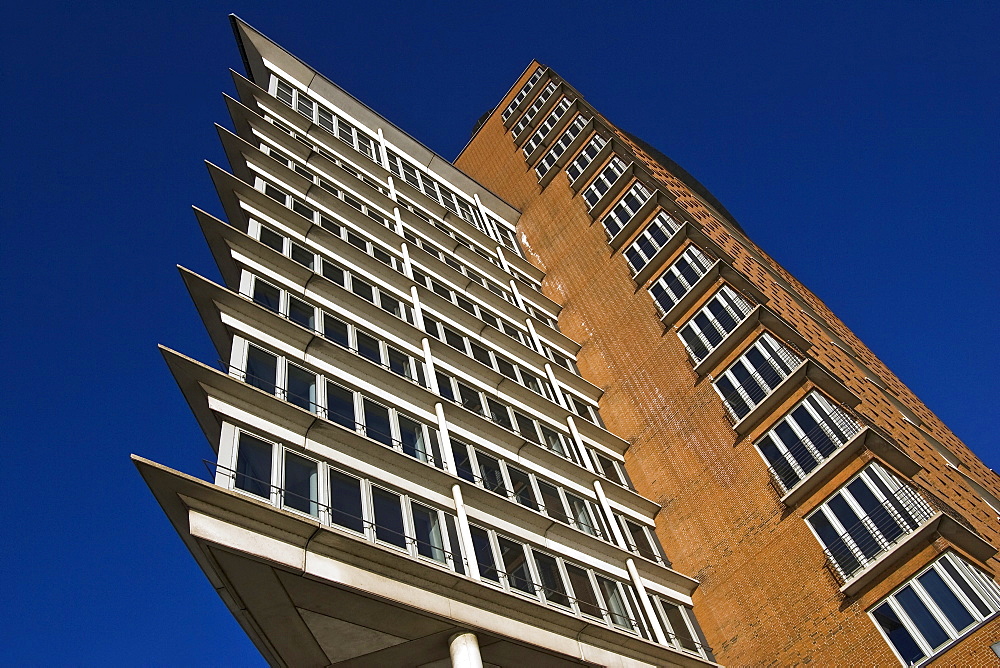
530	112
300	490
679	278
345	501
428	535
388	517
585	157
423	182
253	466
713	322
755	374
546	126
654	237
807	436
602	182
560	145
946	601
624	211
261	369
866	517
521	94
640	539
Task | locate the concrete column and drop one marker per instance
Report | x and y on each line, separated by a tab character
578	443
405	250
534	336
464	650
560	399
647	604
446	454
616	531
463	528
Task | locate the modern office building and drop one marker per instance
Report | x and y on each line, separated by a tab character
411	465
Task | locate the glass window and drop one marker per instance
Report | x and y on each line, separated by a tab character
515	563
552	581
301	313
388	517
444	386
411	436
301	387
340	405
377	425
481	354
492	477
526	426
581	514
368	347
363	290
471	399
266	295
553	441
272	239
463	461
253	466
303	256
616	603
499	414
301	477
484	554
262	369
553	503
583	591
345	501
335	330
427	527
521	487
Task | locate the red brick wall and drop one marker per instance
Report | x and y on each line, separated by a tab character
765	597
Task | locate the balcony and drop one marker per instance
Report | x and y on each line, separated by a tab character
822	452
885	537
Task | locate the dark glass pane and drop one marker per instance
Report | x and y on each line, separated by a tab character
616	604
345	501
484	554
481	354
470	399
253	466
526	426
521	484
301	387
456	544
499	414
641	540
966	588
335	330
609	468
411	436
377	422
266	295
368	347
553	503
454	339
489	469
426	524
583	591
921	617
340	405
444	386
399	363
784	470
300	483
900	638
363	290
945	599
515	564
675	617
301	313
334	273
262	369
272	239
463	462
553	441
552	581
844	556
388	517
303	256
506	368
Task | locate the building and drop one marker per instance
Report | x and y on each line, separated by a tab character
412	468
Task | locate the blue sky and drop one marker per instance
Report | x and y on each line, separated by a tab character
856	142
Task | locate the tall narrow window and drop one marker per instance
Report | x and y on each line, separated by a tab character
553	585
340	405
411	436
755	374
427	527
377	425
583	591
262	369
515	563
388	517
521	488
266	295
617	608
300	491
345	501
253	466
301	313
713	322
301	387
679	278
484	554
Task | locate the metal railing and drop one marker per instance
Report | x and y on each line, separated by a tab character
326	513
810	452
874	534
746	396
720	329
424	453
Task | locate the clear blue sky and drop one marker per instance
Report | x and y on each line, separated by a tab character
857	142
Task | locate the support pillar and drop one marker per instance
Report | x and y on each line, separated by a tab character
464	650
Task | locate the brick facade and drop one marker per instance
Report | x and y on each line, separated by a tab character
766	596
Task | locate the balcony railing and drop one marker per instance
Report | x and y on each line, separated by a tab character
423	452
360	527
876	533
715	330
808	453
754	387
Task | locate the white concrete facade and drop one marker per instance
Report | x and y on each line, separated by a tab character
398	420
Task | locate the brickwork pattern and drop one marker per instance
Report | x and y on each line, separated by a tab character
766	597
